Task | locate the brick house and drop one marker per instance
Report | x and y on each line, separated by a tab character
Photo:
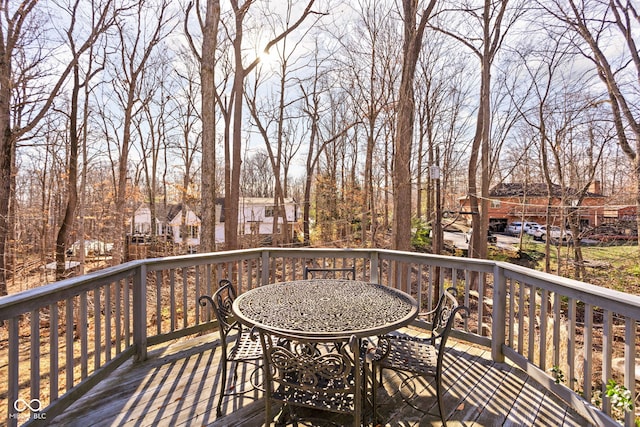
528	202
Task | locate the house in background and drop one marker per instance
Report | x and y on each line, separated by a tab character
255	224
167	226
528	202
256	220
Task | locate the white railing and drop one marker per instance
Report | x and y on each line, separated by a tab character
59	340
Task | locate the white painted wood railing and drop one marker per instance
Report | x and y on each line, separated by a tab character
59	340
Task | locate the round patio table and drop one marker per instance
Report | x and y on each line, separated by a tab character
326	308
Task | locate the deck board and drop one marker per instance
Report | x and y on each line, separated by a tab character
178	384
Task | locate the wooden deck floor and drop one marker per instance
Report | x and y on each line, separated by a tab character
177	386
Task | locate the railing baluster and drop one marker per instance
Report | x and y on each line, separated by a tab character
35	354
532	319
481	282
83	329
587	352
630	364
140	313
158	302
172	297
542	351
127	312
607	351
107	322
97	323
197	291
499	310
571	345
512	312
521	312
556	328
117	298
69	344
54	372
185	296
14	369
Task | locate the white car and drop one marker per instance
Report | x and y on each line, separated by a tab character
532	229
553	231
516	227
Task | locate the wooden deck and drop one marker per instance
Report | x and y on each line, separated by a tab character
177	386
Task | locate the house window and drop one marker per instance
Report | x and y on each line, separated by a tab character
495	203
268	211
194	231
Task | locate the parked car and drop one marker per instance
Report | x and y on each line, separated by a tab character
517	227
490	237
554	232
533	229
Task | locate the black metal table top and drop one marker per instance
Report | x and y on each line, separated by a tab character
326	308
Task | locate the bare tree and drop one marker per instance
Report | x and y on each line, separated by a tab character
369	74
232	111
149	25
488	25
232	179
413	33
598	24
188	144
75	115
273	122
207	58
17	28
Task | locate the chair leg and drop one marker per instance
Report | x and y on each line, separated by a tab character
223	387
235	372
440	402
374	393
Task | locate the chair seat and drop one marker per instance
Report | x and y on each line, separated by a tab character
246	348
407	354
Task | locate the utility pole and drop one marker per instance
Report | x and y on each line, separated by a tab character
434	174
436	242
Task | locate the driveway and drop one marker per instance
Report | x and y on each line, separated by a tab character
504	241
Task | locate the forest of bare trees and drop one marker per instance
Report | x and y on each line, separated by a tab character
343	105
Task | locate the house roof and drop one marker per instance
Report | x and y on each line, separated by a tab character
167	213
519	189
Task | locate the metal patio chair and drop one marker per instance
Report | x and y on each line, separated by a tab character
312	374
420	356
242	349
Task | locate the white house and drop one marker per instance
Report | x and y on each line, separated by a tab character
167	225
255	217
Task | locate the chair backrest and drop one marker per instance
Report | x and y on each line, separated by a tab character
221	302
442	316
313	372
330	273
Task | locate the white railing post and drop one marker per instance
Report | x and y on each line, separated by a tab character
498	321
140	313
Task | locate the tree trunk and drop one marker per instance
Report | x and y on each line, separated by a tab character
207	77
402	190
72	180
